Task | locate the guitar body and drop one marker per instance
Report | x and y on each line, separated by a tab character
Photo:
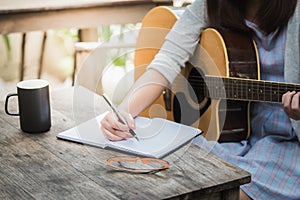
223	54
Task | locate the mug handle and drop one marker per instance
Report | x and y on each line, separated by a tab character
6	104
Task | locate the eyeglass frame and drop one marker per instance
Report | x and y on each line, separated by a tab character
144	160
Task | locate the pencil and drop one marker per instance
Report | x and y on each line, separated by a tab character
119	115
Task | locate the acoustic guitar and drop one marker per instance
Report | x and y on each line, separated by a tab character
215	88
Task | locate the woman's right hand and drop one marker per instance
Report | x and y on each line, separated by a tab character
141	95
115	130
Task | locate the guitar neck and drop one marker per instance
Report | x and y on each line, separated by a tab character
247	89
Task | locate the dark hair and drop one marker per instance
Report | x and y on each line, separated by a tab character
230	14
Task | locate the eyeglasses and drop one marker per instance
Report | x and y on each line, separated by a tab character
137	164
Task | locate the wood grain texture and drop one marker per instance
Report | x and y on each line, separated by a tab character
19	6
17	16
39	166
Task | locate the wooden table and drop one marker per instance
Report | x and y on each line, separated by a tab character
30	15
39	166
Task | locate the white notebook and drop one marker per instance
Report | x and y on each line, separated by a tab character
158	137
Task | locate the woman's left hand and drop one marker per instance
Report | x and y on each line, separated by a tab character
290	102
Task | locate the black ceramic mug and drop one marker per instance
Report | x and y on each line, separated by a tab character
34	105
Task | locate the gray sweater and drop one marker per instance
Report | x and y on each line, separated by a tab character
180	44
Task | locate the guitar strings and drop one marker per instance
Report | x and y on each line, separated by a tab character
235	87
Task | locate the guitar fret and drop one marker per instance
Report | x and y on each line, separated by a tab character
238	85
235	89
241	88
261	90
258	89
250	90
255	90
245	91
268	91
275	92
227	86
222	88
217	87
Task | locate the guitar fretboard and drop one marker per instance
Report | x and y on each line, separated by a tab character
247	89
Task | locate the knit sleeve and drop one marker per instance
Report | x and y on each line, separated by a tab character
181	41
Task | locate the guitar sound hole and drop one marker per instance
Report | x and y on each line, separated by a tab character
197	86
184	112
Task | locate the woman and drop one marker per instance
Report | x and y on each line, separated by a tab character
272	153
